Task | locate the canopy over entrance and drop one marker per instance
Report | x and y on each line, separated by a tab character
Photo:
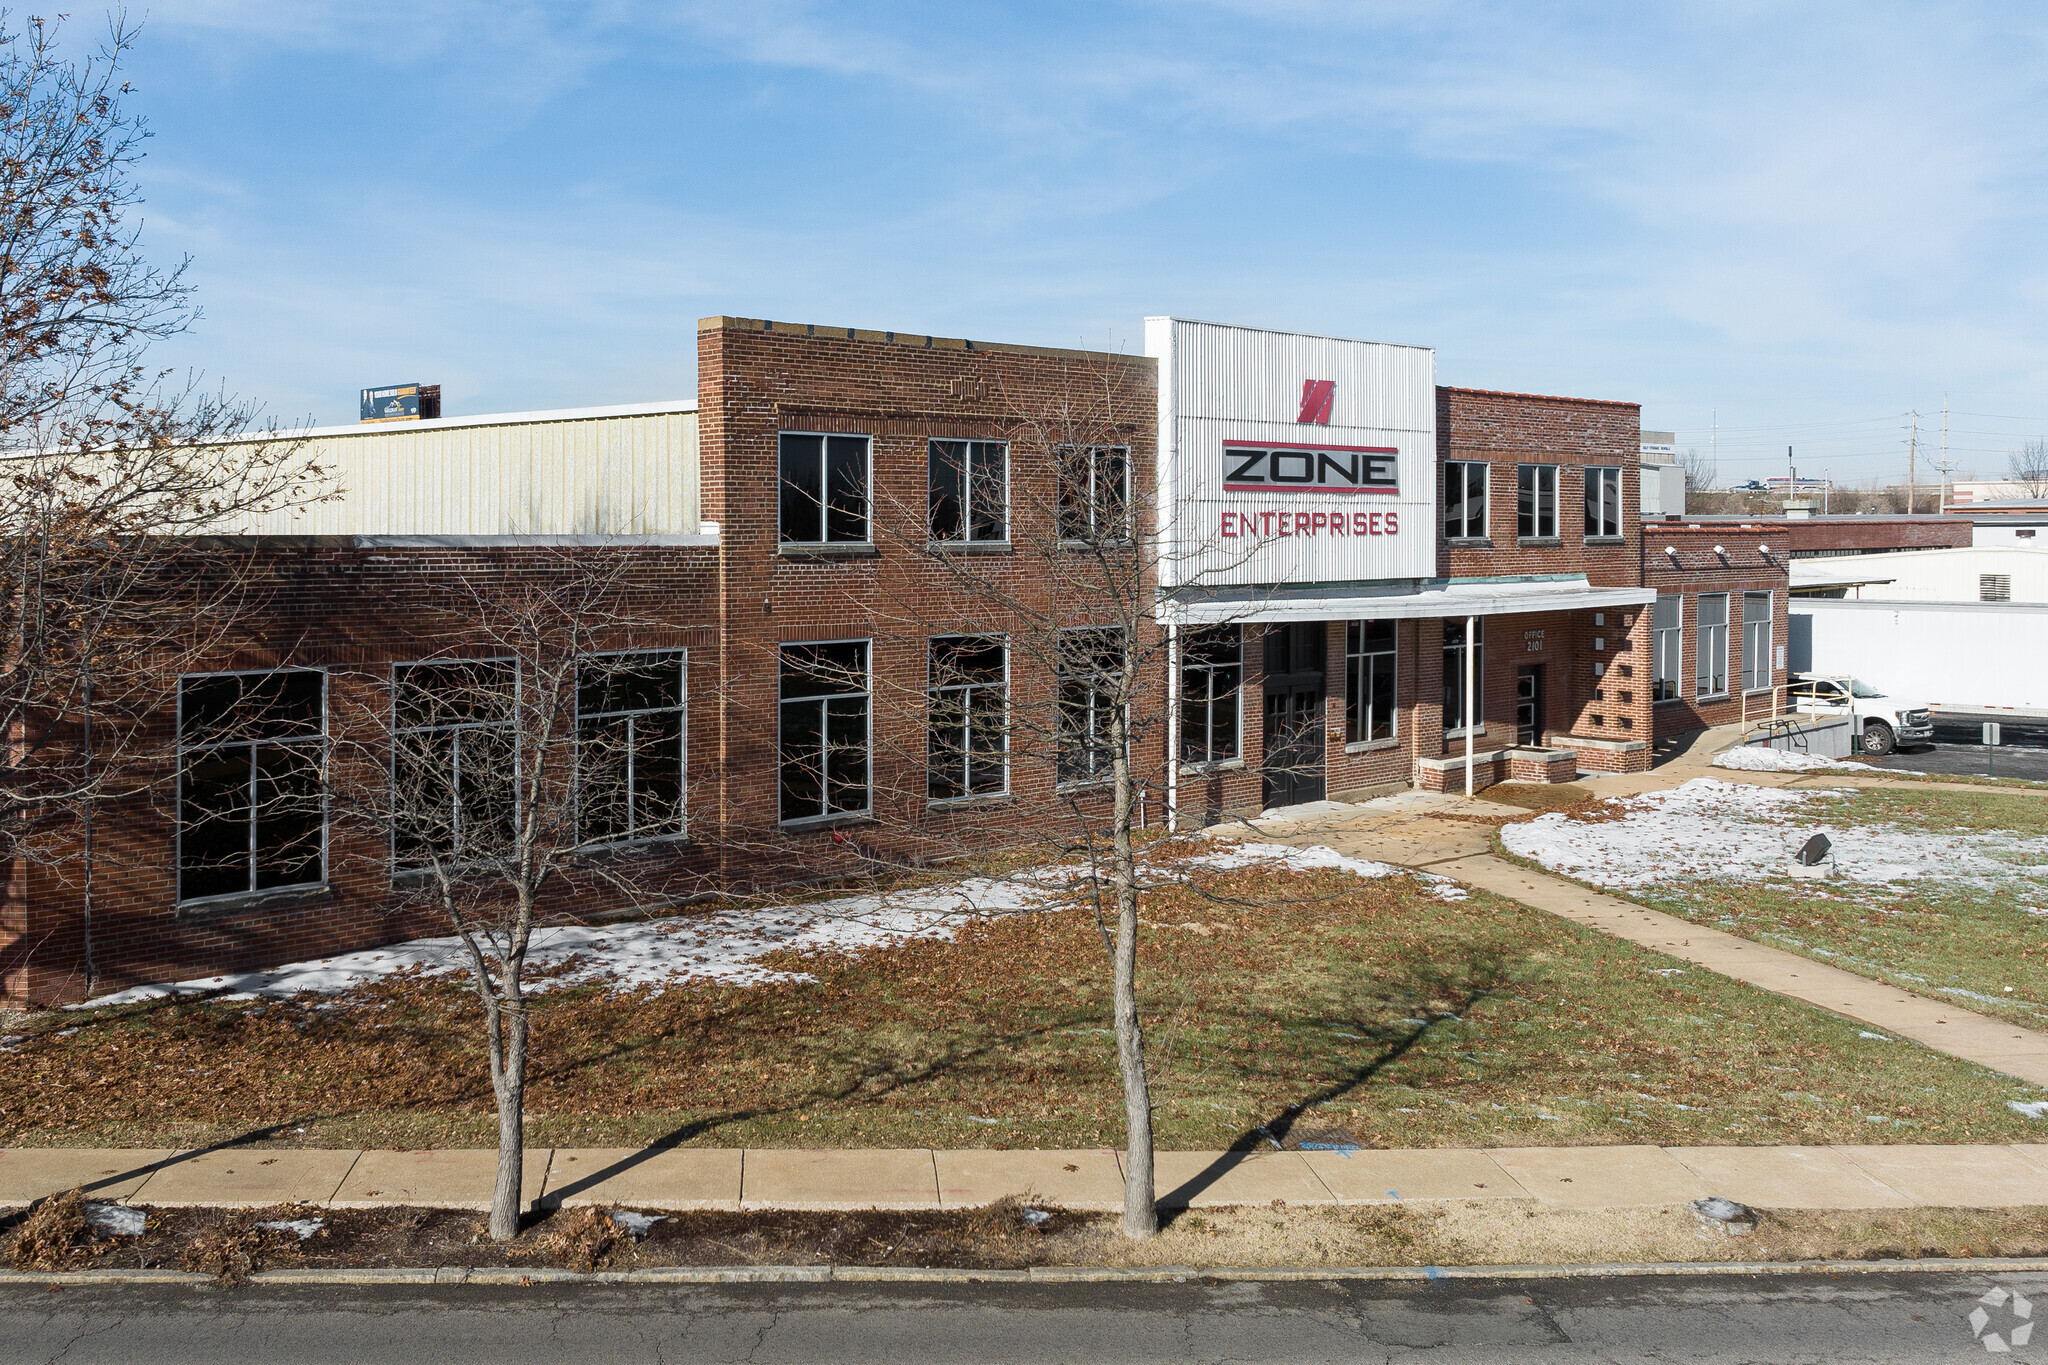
1397	601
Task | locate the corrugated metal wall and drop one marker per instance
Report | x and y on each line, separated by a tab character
583	476
1222	383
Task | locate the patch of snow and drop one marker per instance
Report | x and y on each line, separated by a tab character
1866	1033
116	1220
1034	1218
636	1225
305	1227
1710	829
2033	1109
1750	759
726	946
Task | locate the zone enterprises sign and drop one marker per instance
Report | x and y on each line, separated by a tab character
1263	467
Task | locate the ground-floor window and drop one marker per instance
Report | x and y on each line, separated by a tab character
823	748
1711	679
968	718
630	738
454	761
1756	641
1091	666
1369	655
1667	622
1211	681
1454	673
252	811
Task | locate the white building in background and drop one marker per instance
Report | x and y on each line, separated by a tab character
2013	572
1662	479
1965	628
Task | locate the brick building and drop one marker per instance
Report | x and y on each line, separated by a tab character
1339	540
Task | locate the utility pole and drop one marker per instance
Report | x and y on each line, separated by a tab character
1912	461
1941	503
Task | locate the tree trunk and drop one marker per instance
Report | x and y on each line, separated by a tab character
508	1081
1141	1211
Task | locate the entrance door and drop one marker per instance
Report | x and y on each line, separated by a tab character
1293	759
1529	705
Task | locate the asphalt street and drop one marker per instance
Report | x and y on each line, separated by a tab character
1958	747
1712	1319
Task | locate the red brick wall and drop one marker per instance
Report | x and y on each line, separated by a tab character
1681	558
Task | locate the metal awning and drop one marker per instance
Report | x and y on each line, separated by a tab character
1397	602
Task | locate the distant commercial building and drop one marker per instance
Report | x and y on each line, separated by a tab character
1661	477
1807	536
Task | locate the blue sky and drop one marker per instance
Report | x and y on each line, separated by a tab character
1801	220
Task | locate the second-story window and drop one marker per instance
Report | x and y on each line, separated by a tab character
1536	501
970	490
1603	502
823	483
1464	500
1095	493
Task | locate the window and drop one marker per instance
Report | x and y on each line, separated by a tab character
454	761
1464	500
824	729
970	490
1603	502
1667	634
967	725
1091	667
824	483
630	745
1535	501
252	812
1211	677
1756	641
1454	674
1994	587
1369	681
1712	631
1095	493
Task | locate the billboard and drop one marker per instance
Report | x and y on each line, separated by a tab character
1292	459
393	403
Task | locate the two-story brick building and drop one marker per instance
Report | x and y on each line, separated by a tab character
1360	581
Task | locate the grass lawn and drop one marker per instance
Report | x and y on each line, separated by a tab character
1296	1004
1969	925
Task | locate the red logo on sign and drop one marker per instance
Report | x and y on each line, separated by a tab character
1316	397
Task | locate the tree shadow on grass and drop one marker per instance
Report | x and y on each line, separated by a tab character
1392	1014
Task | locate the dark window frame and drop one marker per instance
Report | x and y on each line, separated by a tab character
1536	500
970	522
1113	505
680	709
1367	663
786	489
1469	518
1091	747
1603	511
946	700
400	730
1667	649
1454	676
186	749
826	813
1710	641
1221	690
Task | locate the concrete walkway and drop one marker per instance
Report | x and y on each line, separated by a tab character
1837	1177
1422	831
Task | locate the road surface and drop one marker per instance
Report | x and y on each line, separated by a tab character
1711	1319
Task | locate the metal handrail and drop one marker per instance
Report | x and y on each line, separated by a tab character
1775	698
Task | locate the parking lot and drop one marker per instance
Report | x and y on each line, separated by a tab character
1958	747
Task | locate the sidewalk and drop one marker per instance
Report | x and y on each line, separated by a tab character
1838	1177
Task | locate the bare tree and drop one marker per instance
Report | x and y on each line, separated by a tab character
2028	467
107	469
530	761
1702	473
1048	667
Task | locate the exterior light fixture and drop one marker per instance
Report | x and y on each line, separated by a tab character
1721	552
1671	550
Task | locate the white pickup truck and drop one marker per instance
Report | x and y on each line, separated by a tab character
1886	723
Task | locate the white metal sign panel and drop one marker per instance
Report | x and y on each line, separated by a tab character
1286	458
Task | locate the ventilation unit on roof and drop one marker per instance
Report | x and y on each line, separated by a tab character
1994	587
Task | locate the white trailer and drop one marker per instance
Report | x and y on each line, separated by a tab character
1955	655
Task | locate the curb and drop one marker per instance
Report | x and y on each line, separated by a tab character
1179	1274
